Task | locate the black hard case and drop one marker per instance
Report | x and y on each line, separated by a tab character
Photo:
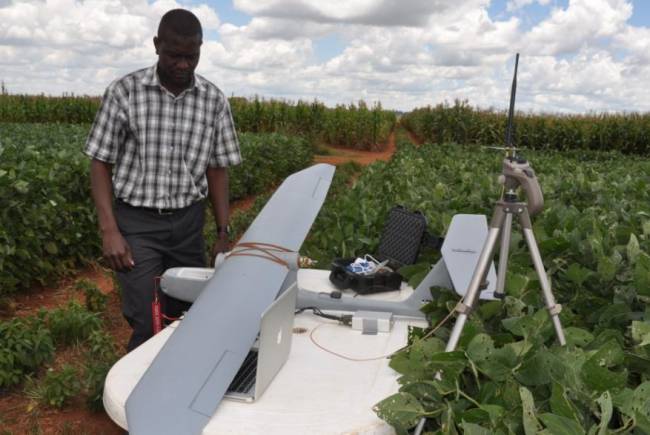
400	243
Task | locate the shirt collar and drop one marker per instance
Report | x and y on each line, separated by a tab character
150	78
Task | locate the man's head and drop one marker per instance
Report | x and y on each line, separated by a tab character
178	46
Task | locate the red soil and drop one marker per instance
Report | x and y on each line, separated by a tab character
341	155
19	415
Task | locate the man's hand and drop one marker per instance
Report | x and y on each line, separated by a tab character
218	193
116	251
221	245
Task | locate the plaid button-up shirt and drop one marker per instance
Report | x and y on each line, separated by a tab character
160	144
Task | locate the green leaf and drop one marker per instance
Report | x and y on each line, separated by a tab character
450	364
605	336
531	424
514	306
646	227
641	332
474	429
633	249
403	364
534	371
499	363
414	273
51	248
561	404
558	425
475	415
606	411
516	284
490	309
425	349
595	373
21	186
495	412
610	353
480	348
420	355
642	422
417	278
623	400
537	327
578	336
425	391
642	275
641	399
448	418
614	314
401	410
577	274
607	268
520	348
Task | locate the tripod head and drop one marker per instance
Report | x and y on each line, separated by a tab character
516	172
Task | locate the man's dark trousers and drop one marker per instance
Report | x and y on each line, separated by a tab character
158	240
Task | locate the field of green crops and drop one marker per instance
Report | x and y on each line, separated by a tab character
461	123
47	220
354	126
508	376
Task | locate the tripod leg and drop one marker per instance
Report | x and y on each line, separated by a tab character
478	277
553	308
499	292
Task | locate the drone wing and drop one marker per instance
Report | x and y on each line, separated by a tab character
186	381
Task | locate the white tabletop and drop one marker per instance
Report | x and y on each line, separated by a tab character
316	392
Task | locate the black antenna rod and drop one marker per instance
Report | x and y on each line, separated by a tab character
511	111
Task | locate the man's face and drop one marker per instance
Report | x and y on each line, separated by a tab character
178	57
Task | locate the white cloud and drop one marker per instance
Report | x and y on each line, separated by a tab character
583	23
58	46
585	56
368	12
239	50
513	5
282	28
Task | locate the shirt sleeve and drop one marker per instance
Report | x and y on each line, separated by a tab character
107	131
226	145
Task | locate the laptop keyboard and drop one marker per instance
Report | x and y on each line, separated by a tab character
245	377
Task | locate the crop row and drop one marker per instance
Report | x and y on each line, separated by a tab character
460	123
509	375
47	220
40	108
29	345
355	126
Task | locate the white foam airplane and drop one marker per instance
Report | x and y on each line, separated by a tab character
183	386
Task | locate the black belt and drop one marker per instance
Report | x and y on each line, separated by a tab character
159	211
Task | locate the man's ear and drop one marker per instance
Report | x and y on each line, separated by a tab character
156	43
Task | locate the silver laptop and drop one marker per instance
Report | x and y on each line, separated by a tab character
270	351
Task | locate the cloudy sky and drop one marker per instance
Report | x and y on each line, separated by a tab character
576	55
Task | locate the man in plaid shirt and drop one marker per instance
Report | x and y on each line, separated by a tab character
162	142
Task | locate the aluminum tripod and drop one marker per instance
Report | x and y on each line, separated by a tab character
516	173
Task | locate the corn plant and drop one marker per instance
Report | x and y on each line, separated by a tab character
463	124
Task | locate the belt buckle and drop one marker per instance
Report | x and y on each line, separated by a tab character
164	211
